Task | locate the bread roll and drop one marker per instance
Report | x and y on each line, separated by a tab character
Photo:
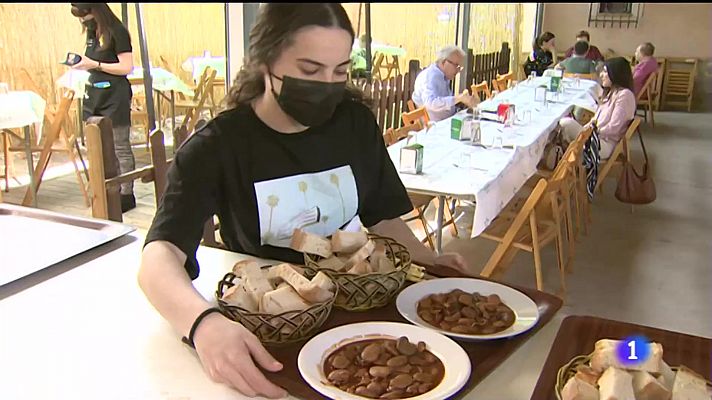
255	282
380	261
238	296
362	254
362	268
333	262
587	374
604	356
646	387
347	242
309	243
667	376
616	384
241	266
309	291
576	389
282	300
689	385
324	282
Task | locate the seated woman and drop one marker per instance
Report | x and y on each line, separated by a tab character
616	107
543	56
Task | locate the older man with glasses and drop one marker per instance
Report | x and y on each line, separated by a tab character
432	86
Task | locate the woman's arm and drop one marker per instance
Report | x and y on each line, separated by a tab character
121	68
225	348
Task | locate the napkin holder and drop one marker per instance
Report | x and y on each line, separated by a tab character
555	83
505	112
456	123
411	158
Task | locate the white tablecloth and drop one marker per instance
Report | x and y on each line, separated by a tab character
494	175
197	65
20	109
163	81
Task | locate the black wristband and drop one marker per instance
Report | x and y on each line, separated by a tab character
189	339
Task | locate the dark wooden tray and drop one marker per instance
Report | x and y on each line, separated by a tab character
484	356
578	334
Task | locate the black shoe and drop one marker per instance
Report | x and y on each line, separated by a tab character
128	202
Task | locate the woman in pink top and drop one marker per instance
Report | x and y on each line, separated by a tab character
616	107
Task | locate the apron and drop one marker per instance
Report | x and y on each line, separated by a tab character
113	102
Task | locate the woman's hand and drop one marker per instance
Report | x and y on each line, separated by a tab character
228	353
454	261
86	64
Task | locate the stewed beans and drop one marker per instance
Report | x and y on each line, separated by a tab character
384	368
466	313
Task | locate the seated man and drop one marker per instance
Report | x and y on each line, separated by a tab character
432	85
593	53
578	63
647	64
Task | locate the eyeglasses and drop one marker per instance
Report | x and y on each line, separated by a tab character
458	66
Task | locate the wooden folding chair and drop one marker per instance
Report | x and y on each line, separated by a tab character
197	104
501	83
481	90
617	156
646	97
420	201
411	106
535	224
56	130
376	65
419	114
591	77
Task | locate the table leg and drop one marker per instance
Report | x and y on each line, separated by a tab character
30	164
439	232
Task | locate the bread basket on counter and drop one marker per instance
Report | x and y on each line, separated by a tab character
360	292
275	329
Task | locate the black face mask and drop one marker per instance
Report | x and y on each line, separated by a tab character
311	103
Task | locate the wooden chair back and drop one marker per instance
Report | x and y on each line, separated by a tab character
394	135
501	82
615	158
419	115
679	82
202	93
522	216
591	76
481	90
376	66
411	105
647	93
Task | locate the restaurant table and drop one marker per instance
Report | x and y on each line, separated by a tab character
23	109
90	333
491	176
164	83
196	65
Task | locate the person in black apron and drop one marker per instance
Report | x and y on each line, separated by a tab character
109	60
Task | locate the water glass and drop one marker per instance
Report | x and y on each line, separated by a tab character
465	160
577	81
497	141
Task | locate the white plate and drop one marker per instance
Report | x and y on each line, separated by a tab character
525	309
315	351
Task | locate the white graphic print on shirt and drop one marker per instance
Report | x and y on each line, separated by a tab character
318	203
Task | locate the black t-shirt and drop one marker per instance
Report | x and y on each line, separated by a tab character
263	184
120	43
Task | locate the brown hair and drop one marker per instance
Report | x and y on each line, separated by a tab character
582	34
107	22
272	32
543	38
